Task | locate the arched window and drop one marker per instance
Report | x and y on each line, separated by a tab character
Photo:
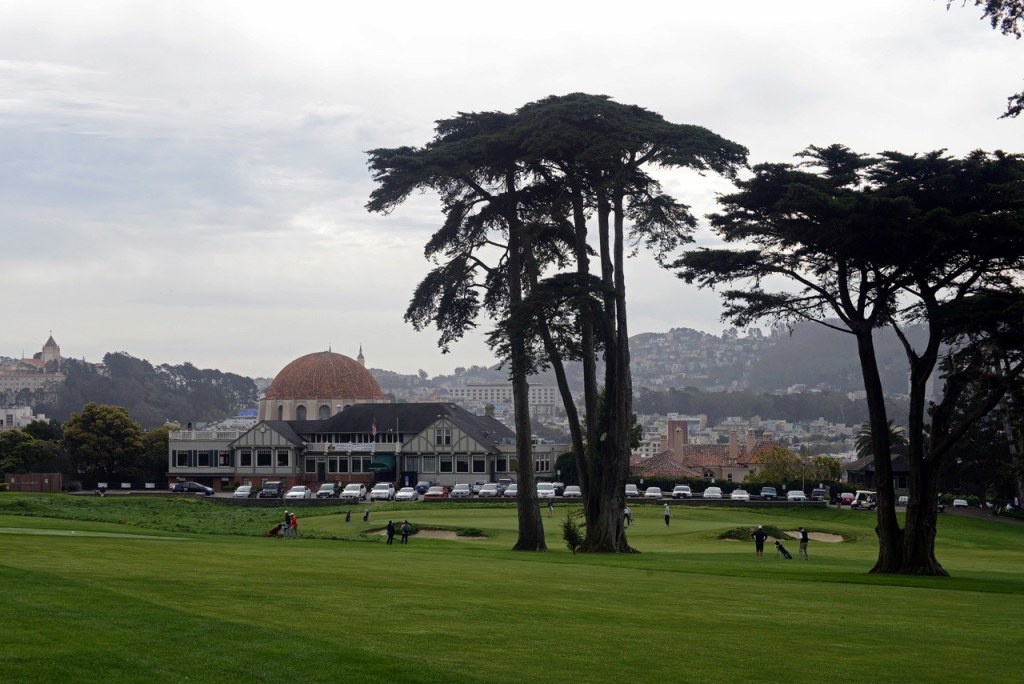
300	412
325	412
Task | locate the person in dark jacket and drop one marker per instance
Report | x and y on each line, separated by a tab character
759	536
803	544
391	531
406	529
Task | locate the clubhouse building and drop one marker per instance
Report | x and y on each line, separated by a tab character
355	436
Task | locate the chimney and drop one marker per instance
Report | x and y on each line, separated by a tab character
750	441
734	446
678	436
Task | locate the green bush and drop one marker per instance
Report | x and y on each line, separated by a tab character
743	533
4	486
572	533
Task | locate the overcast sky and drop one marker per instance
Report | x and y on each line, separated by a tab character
185	181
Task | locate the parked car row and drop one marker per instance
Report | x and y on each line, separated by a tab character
714	492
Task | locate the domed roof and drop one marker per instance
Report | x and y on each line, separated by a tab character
324	375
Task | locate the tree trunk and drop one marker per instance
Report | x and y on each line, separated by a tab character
922	508
922	519
890	536
609	533
605	529
531	525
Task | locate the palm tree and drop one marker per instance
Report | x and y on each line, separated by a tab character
862	444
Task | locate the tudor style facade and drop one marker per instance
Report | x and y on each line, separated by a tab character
400	443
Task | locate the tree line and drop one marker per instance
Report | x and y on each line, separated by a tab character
152	395
99	443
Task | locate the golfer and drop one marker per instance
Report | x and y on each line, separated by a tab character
759	536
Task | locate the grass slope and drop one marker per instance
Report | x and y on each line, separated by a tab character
185	591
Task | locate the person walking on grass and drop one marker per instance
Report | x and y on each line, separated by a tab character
804	538
406	529
668	514
391	531
286	527
759	537
295	526
627	516
551	507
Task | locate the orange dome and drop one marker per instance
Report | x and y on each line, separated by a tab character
324	375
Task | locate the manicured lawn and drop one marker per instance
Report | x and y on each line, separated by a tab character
137	594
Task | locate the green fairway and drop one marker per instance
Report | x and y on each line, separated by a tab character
156	590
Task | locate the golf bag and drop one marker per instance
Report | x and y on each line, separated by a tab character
783	553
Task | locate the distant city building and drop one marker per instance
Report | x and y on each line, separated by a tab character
543	399
732	462
15	417
40	373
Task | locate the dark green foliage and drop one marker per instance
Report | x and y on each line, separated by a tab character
151	394
743	533
21	452
102	442
572	531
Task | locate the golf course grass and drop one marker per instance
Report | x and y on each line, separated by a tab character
140	589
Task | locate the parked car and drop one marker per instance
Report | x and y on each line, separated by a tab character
406	494
713	493
512	490
461	490
422	486
299	492
382	491
631	490
328	490
681	492
354	491
903	500
192	488
489	490
960	503
478	485
819	494
572	492
846	498
244	492
796	495
559	488
653	493
545	490
436	492
864	500
504	483
768	493
740	495
272	490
